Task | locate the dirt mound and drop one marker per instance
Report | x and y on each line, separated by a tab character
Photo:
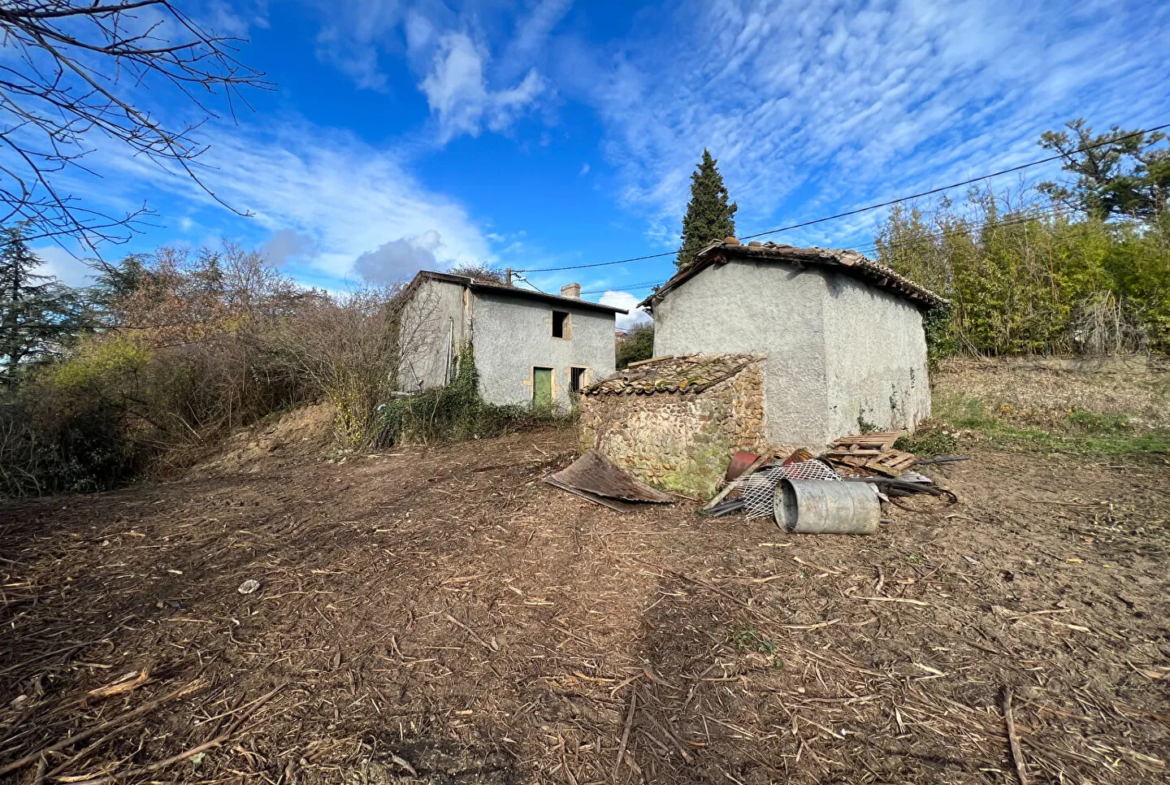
1044	390
298	435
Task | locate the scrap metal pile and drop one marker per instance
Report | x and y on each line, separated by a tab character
839	492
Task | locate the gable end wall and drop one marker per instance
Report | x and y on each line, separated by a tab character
748	306
837	348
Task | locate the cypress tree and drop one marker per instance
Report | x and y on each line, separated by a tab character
38	314
709	217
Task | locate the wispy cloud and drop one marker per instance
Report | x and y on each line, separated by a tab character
634	317
322	197
808	105
458	94
354	34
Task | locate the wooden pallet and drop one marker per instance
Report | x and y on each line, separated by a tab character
873	452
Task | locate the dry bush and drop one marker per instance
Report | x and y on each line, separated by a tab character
203	343
346	350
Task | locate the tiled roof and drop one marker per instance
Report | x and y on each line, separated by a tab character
846	262
690	374
477	285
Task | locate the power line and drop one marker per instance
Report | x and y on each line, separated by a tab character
624	287
1012	219
598	264
877	206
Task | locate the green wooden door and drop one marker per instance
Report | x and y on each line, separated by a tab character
542	392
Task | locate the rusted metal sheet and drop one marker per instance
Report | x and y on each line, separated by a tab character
740	462
596	474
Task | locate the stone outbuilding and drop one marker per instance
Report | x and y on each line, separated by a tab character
843	335
673	422
530	348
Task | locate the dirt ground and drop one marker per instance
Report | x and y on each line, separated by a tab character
442	616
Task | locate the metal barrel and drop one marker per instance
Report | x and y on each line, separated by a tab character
826	507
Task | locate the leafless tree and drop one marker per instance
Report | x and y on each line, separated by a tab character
74	72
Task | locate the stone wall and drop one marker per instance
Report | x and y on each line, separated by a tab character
679	441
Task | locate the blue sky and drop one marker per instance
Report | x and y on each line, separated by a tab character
548	133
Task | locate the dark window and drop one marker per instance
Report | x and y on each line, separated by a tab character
576	379
560	324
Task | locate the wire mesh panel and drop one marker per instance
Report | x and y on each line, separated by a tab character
759	489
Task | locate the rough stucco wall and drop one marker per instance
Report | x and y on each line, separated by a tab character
876	359
511	336
676	441
835	345
749	306
428	320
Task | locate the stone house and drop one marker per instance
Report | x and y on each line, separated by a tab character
673	422
843	335
529	347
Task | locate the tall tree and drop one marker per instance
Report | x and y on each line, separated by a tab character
38	314
1117	173
709	216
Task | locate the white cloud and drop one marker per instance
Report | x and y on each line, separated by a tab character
353	35
400	259
832	104
313	188
532	34
635	317
62	265
584	170
458	94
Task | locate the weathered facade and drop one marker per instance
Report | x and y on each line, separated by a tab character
674	423
529	347
843	335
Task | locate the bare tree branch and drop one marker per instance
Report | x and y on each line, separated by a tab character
75	75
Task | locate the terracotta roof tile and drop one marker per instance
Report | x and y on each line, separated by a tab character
690	374
847	262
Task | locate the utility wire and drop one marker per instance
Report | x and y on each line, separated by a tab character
1012	219
877	206
624	287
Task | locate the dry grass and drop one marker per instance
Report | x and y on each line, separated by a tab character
443	616
1041	392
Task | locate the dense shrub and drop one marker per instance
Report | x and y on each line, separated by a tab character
637	346
1035	279
452	413
190	346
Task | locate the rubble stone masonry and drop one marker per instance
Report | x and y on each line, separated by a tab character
679	441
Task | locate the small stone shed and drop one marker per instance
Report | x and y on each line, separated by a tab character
673	422
843	334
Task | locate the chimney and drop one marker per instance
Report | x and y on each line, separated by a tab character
572	290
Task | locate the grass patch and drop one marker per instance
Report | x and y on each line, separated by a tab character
1078	432
929	443
748	640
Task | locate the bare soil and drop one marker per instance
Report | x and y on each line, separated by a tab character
443	616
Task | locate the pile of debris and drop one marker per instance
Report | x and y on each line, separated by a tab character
871	452
839	492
